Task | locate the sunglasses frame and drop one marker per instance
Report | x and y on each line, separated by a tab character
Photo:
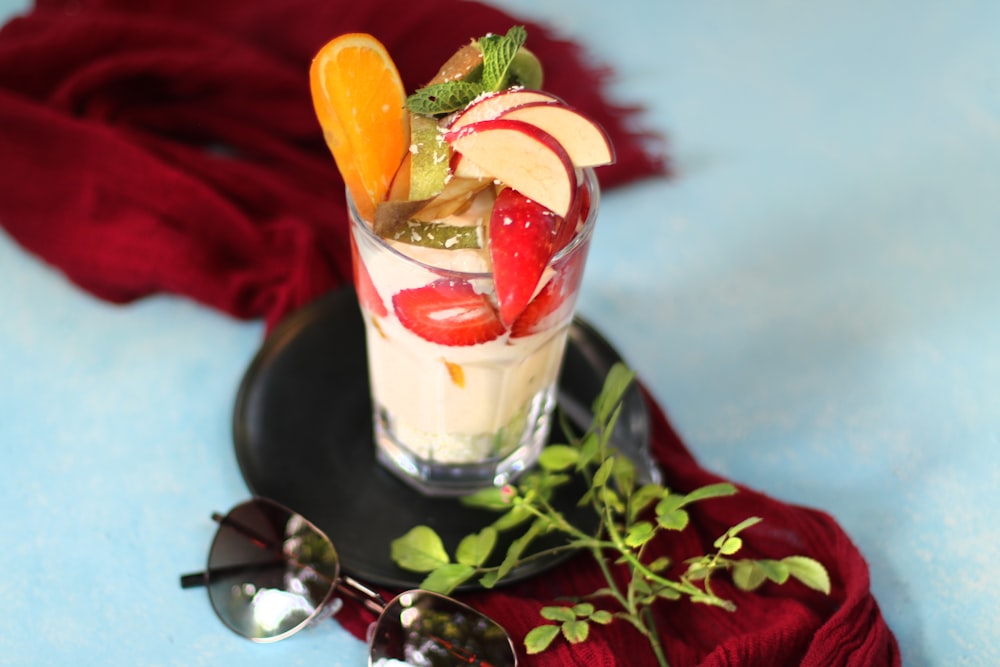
340	583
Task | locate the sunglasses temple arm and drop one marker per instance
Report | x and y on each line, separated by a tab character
193	580
355	590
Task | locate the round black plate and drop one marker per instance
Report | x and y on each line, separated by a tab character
303	436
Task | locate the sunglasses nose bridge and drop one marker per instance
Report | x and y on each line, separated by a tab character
355	590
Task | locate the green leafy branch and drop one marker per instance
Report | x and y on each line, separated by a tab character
631	518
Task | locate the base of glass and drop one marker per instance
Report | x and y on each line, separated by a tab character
457	478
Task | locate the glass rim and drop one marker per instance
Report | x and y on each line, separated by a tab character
588	180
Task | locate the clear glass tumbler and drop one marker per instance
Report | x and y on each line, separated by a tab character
452	418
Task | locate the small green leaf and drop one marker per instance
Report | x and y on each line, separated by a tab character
669	503
447	578
419	550
558	457
611	499
489	580
639	533
583	609
588	450
601	616
774	570
624	475
490	498
475	549
558	614
604	472
660	564
539	638
615	385
576	632
730	546
710	491
676	520
517	547
698	569
668	593
602	592
516	516
747	575
809	571
642	497
641	585
738	528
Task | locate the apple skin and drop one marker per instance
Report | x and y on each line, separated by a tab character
491	106
586	142
521	156
522	236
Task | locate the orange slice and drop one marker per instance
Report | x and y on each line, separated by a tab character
359	97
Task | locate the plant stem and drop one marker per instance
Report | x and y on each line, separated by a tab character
654	638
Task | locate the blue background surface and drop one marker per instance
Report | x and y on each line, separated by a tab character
813	298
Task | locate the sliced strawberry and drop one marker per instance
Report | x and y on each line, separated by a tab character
448	312
553	303
368	296
522	240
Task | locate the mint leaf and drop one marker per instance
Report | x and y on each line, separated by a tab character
498	54
442	98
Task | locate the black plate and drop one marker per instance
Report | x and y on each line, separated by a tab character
303	436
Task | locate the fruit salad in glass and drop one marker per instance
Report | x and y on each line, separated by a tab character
472	204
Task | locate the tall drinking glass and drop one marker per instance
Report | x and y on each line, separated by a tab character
453	417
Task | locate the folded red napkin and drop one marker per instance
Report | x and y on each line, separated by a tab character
170	146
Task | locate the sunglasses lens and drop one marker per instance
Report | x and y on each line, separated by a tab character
425	629
270	571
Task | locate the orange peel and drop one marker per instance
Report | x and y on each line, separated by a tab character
359	101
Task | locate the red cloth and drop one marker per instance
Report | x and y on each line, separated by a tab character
107	108
170	146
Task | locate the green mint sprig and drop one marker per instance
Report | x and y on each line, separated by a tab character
630	517
499	54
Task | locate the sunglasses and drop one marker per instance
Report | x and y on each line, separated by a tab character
271	572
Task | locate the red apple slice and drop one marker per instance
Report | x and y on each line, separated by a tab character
586	142
491	106
521	156
461	168
522	235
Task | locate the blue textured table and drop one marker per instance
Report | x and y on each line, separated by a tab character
814	299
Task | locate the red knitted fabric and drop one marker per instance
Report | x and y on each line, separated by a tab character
772	627
170	146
